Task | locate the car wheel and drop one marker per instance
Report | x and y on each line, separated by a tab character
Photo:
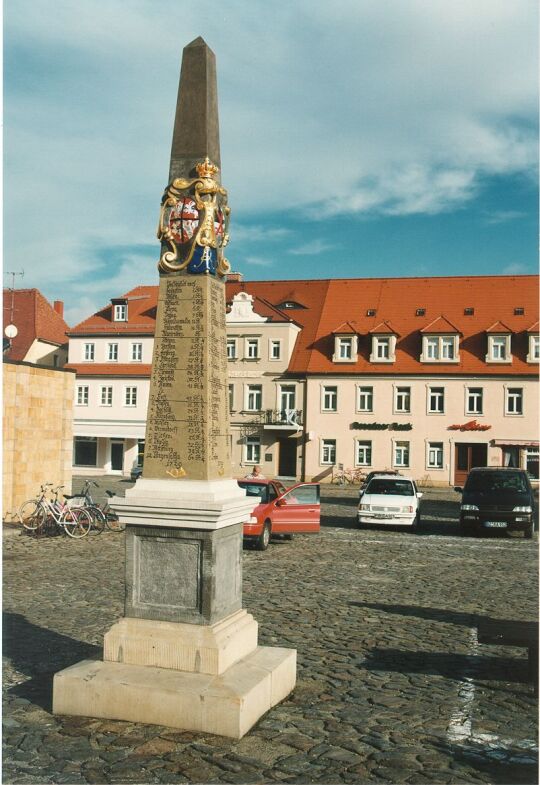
288	536
416	525
465	531
528	533
262	541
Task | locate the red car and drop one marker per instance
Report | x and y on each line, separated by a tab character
281	510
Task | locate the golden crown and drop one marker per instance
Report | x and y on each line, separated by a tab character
206	168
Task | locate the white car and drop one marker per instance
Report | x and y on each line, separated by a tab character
391	500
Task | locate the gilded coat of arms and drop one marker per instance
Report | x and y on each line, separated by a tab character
193	224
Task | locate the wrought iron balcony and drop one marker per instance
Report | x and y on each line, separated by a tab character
282	419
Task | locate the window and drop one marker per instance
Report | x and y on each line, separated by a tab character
231	397
514	400
120	312
275	350
254	398
436	400
106	396
519	311
253	449
401	454
468	311
287	397
82	395
329	399
140	452
474	404
498	349
328	451
363	453
131	396
382	348
112	352
345	348
439	348
85	451
136	352
534	349
435	455
371	312
252	348
365	399
531	461
89	351
420	311
231	348
403	399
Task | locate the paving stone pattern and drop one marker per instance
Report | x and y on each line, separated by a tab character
392	683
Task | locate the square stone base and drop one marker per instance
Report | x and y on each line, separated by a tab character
226	705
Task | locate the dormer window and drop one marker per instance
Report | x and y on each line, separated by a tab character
499	343
345	344
440	342
383	344
120	312
439	348
534	349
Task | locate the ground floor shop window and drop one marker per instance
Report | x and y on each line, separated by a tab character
253	449
85	451
363	453
435	455
532	462
328	451
401	454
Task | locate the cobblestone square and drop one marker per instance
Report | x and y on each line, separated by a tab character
393	685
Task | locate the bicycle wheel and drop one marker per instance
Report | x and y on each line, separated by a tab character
113	522
77	523
32	515
98	518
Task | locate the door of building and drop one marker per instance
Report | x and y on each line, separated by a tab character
287	458
467	457
117	456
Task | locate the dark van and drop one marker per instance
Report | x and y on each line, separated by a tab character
497	498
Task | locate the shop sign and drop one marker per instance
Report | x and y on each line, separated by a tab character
473	425
381	426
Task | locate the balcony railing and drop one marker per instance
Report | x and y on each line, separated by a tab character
282	418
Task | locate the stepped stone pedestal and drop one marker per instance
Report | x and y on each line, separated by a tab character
185	655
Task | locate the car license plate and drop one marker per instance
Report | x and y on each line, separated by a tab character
380	515
495	524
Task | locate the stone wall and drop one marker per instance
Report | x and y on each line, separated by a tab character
37	431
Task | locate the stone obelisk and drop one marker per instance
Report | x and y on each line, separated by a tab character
185	654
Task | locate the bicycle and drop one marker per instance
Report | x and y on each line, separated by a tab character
103	517
35	513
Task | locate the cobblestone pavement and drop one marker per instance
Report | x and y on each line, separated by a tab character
392	683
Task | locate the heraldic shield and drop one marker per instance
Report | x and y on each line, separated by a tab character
193	224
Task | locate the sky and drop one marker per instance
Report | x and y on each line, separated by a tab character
359	138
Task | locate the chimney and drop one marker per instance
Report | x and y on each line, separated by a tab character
58	306
234	277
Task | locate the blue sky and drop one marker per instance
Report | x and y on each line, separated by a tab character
359	137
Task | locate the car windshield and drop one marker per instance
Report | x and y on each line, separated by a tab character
484	482
255	489
391	487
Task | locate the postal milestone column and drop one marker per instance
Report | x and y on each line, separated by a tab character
185	654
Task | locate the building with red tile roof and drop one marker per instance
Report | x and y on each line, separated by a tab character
41	330
352	358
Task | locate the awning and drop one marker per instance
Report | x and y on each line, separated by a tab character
515	443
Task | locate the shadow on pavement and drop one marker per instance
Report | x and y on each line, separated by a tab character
39	653
451	666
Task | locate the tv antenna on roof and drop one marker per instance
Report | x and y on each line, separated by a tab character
11	330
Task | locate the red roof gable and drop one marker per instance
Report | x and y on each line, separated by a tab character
142	304
498	328
35	318
346	328
327	302
383	328
440	326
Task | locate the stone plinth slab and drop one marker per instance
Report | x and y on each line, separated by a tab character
226	705
183	575
186	647
190	504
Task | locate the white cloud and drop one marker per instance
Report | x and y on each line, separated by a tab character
312	248
258	261
517	268
355	107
